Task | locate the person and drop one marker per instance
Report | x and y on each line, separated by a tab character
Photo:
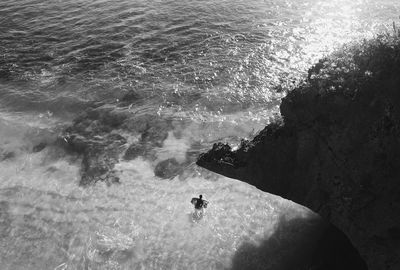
199	202
199	205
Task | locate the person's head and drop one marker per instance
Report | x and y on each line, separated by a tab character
201	196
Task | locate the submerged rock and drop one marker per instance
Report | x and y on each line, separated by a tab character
7	155
336	149
91	135
135	150
96	135
129	98
100	154
39	147
5	74
167	168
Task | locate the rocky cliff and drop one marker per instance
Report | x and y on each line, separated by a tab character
336	148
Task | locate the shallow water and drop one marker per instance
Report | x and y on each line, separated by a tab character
141	224
49	222
214	70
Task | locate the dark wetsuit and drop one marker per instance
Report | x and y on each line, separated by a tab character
199	203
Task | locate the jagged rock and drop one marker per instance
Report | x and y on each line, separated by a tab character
336	149
167	168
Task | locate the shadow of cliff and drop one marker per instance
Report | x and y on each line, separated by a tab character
300	244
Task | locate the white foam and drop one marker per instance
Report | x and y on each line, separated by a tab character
174	148
143	222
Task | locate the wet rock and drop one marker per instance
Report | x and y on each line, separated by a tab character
336	149
167	168
39	147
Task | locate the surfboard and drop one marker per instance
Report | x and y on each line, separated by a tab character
194	201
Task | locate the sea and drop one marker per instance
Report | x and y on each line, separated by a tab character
214	70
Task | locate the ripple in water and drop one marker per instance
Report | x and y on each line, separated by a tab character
214	69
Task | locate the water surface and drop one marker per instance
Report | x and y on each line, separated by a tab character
214	70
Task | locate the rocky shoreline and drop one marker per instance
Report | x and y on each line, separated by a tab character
336	148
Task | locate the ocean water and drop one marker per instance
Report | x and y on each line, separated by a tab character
213	70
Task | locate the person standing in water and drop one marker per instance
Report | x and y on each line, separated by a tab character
199	205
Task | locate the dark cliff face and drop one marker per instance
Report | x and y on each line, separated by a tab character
336	149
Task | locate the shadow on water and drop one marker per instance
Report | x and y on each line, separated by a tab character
300	244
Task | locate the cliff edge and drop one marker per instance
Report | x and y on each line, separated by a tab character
336	148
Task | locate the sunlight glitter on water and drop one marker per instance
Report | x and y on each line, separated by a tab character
219	67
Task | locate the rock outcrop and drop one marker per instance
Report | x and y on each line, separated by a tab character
336	148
